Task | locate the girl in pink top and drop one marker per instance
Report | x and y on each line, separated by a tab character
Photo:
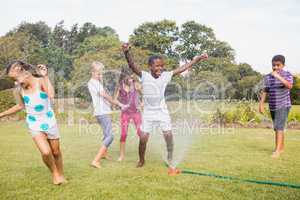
128	93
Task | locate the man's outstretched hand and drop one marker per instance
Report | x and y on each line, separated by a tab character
201	57
125	47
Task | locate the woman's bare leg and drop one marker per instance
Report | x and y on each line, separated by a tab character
122	151
55	148
47	156
96	162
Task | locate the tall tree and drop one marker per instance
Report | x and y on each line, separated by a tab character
59	36
195	38
18	46
40	31
158	37
88	29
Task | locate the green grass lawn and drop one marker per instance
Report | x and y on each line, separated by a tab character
243	153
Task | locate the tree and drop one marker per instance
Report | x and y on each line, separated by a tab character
39	31
246	87
96	44
245	69
295	92
72	43
106	50
158	37
57	59
222	49
17	46
196	39
88	29
59	35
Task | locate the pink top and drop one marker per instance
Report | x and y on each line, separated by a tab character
129	98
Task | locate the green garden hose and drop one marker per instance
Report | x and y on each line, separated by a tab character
282	184
273	183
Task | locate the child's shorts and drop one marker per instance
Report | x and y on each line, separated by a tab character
279	118
148	123
52	133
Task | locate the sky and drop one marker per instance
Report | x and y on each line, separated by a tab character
256	29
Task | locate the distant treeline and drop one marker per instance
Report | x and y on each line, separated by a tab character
69	51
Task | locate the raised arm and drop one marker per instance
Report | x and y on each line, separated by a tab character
189	65
286	83
45	81
134	67
16	108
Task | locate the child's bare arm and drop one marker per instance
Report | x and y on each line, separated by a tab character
286	83
262	102
16	108
45	81
116	93
139	88
190	64
112	100
135	68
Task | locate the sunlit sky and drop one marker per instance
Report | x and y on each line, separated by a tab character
256	29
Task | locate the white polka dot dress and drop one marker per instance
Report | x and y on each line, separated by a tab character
40	115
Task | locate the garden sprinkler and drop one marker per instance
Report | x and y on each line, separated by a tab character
173	171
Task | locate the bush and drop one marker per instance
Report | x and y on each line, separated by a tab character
7	99
242	113
294	116
6	83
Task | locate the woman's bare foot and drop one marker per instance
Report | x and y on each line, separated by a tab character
140	164
64	179
107	157
121	158
57	180
280	151
276	154
95	165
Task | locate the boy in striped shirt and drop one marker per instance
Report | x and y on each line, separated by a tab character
277	86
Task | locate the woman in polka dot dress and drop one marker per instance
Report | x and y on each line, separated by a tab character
34	92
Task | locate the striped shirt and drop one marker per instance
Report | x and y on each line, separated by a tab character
278	94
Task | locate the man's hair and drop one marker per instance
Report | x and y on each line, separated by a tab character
153	58
279	58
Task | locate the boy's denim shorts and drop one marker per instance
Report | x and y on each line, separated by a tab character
279	118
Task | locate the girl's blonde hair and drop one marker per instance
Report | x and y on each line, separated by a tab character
97	64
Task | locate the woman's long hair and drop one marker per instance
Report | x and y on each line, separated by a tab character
24	66
125	73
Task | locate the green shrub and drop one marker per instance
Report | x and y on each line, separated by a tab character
6	83
7	99
294	116
242	113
